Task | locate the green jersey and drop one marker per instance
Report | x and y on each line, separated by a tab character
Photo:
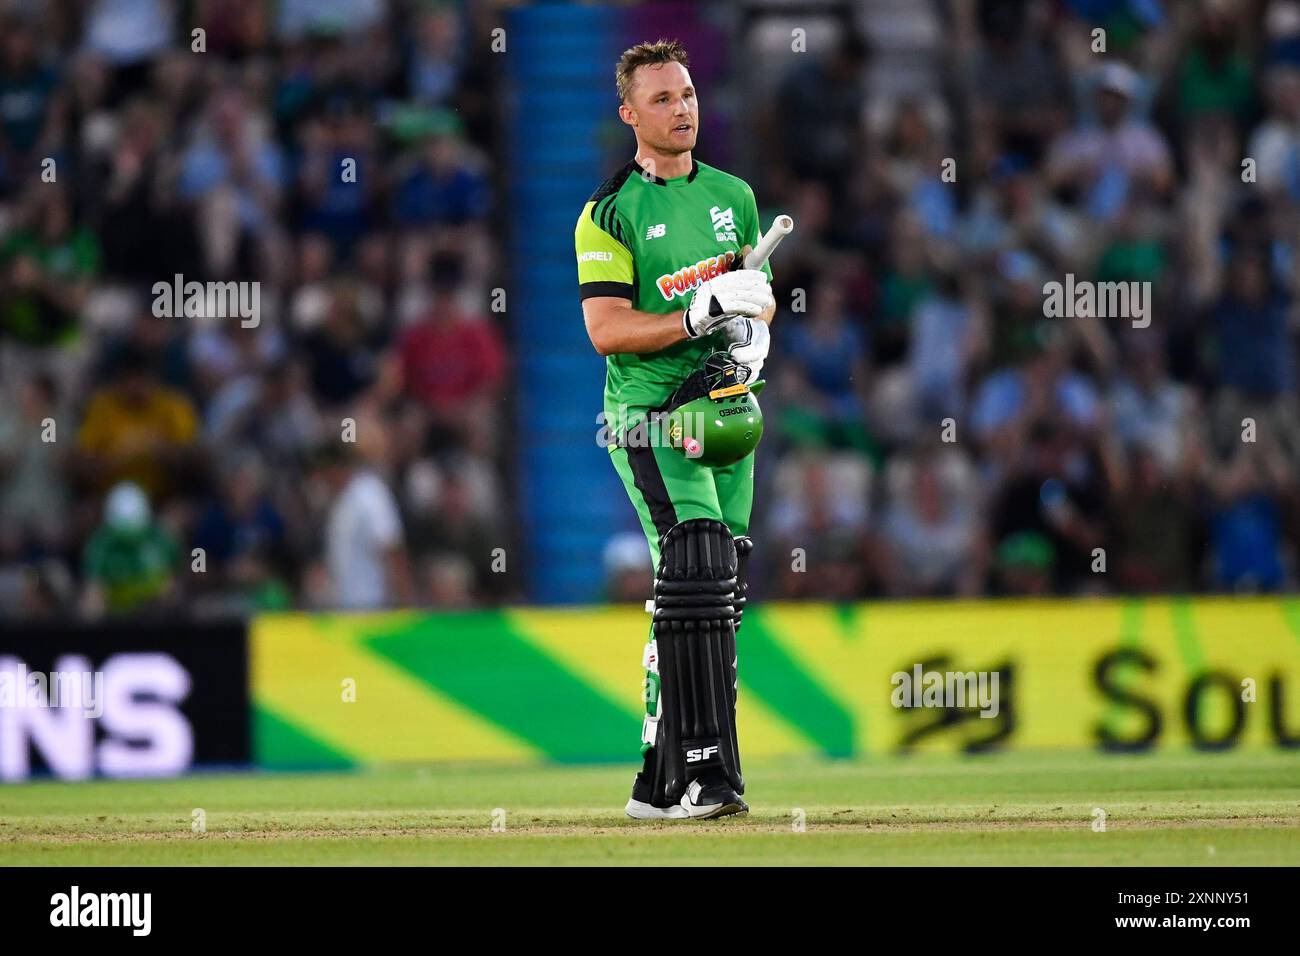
133	567
654	241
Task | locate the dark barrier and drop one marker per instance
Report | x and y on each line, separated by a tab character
128	699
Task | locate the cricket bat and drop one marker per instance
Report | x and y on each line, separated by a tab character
782	226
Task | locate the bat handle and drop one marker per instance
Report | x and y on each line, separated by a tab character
782	226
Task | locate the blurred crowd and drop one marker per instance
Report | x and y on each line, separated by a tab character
935	432
343	447
940	435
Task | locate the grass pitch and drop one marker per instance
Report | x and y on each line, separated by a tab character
1015	808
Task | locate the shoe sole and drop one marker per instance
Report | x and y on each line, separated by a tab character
717	810
646	811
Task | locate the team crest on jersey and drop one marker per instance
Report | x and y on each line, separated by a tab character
688	278
724	224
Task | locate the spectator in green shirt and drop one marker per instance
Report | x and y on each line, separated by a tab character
130	561
46	265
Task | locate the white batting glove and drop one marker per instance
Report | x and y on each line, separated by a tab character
749	374
747	340
745	292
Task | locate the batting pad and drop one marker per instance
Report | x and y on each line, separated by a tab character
694	626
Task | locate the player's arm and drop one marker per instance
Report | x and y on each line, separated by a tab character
614	326
605	279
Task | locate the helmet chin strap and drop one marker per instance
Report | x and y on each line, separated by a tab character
722	370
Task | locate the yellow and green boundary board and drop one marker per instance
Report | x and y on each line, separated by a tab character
564	684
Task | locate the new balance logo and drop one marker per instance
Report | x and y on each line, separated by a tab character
700	754
724	224
656	232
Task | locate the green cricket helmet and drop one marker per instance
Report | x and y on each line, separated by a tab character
715	419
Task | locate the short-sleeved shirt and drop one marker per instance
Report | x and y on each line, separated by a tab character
447	364
363	525
654	241
126	432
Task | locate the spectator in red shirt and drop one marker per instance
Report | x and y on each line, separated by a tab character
453	362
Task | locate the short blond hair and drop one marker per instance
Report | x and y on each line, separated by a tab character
646	54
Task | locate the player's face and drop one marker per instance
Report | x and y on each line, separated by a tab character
662	108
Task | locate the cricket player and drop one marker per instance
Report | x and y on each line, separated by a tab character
660	248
